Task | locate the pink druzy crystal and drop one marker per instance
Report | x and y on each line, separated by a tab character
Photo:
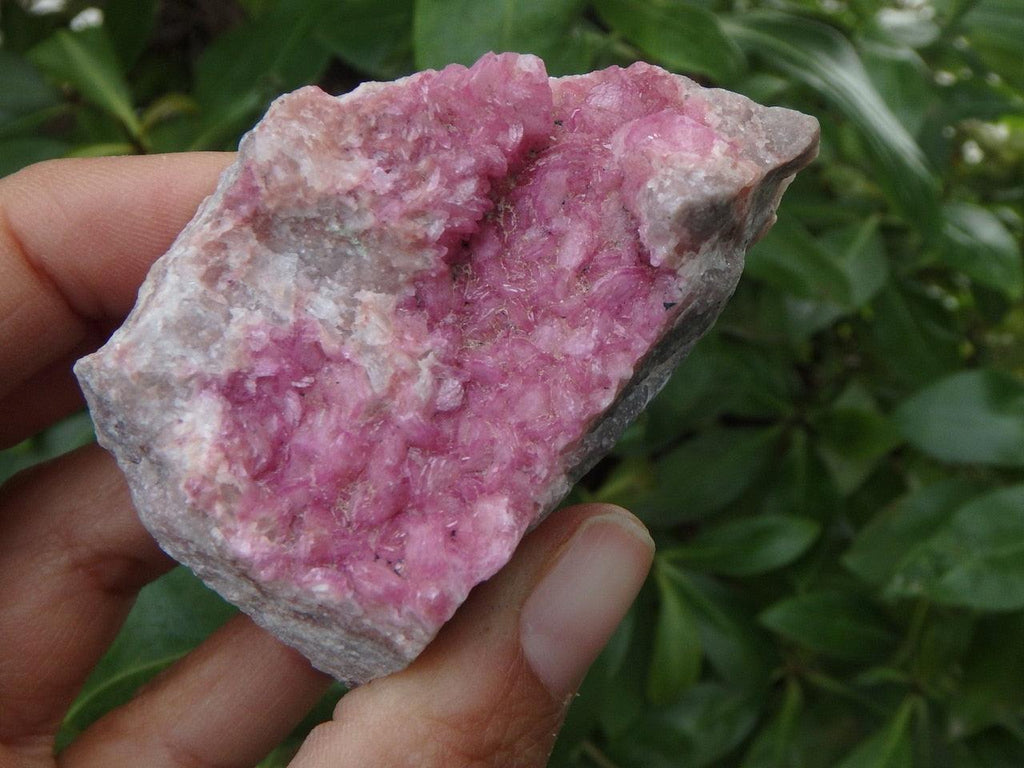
410	317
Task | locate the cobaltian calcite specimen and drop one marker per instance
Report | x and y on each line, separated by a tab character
409	318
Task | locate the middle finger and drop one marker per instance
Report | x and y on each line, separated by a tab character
73	556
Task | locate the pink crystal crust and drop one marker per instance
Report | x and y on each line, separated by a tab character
390	340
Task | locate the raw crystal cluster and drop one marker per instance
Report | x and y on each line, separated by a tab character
410	317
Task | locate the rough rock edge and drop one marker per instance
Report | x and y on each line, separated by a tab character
795	139
337	640
340	640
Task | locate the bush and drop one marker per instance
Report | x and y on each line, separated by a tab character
835	477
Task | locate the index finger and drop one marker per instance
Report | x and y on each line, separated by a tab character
76	239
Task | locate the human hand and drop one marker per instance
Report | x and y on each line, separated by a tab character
76	239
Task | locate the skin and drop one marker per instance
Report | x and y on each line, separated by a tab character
76	239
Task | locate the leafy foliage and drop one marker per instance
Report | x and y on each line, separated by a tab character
836	475
170	617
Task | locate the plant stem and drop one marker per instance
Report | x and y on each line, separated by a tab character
597	757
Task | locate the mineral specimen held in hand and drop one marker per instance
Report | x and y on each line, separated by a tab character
410	317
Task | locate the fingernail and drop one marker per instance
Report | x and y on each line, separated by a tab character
576	606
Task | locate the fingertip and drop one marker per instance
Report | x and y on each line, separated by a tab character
581	598
500	675
77	237
613	514
93	226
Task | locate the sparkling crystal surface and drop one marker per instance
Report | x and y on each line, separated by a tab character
410	316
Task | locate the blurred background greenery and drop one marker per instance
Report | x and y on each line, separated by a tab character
835	477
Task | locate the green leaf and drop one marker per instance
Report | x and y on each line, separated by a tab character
705	725
882	545
581	719
762	382
626	484
220	125
105	149
941	648
171	616
67	435
677	34
257	8
996	30
460	31
238	75
818	278
859	251
790	259
621	699
688	396
836	624
990	690
261	59
586	47
322	712
24	126
802	484
15	154
971	416
23	29
738	650
706	473
773	747
975	561
130	24
676	658
851	442
760	388
822	59
615	651
168	107
374	36
748	546
86	61
904	28
911	333
904	81
22	88
991	749
980	246
890	747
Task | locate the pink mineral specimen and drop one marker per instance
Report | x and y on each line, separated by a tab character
410	317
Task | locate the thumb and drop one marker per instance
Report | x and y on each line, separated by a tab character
493	687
